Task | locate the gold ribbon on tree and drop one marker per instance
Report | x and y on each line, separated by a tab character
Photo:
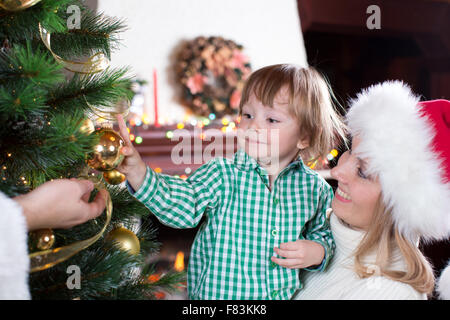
109	113
45	259
17	5
95	63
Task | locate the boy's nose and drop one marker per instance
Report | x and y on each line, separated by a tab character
254	125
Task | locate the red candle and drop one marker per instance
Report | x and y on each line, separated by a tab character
155	97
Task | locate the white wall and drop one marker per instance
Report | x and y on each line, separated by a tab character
269	30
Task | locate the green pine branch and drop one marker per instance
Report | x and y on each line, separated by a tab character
23	25
27	65
140	290
97	33
45	149
21	102
104	89
10	188
106	273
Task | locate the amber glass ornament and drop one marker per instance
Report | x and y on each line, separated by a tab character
106	155
114	177
43	239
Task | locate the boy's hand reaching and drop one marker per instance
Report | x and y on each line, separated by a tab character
132	165
299	254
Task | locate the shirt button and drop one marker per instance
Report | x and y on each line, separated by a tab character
272	264
274	233
275	201
274	294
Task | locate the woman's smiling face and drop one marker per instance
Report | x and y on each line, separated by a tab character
357	193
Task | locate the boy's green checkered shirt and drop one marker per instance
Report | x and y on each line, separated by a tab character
245	220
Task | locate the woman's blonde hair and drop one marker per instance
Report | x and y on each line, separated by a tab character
310	100
383	238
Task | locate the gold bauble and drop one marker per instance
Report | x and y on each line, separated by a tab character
106	155
17	5
125	239
44	239
113	177
87	126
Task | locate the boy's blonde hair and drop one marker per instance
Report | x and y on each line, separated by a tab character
309	101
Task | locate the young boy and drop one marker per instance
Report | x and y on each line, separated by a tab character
263	197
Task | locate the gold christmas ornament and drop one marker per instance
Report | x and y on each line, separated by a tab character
125	239
113	177
17	5
44	239
87	126
106	155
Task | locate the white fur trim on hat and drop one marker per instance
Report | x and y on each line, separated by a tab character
397	142
443	284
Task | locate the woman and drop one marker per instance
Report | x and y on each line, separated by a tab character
393	188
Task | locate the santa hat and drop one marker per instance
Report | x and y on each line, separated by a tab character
407	143
443	284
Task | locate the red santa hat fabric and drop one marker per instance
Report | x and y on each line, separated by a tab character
438	114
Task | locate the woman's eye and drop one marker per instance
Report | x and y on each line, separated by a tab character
361	174
271	120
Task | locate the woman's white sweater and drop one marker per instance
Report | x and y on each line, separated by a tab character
14	261
340	281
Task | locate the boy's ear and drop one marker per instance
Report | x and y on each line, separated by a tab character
303	143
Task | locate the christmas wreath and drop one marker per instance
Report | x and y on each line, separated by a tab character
212	72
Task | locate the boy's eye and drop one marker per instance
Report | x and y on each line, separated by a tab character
247	115
271	120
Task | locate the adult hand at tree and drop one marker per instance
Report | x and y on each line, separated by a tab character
61	203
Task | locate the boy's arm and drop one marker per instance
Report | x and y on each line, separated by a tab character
318	229
176	202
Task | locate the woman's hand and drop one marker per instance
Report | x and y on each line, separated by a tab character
132	165
299	254
61	204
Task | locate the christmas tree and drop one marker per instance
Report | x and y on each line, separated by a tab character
48	91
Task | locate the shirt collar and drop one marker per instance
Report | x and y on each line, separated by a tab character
244	162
